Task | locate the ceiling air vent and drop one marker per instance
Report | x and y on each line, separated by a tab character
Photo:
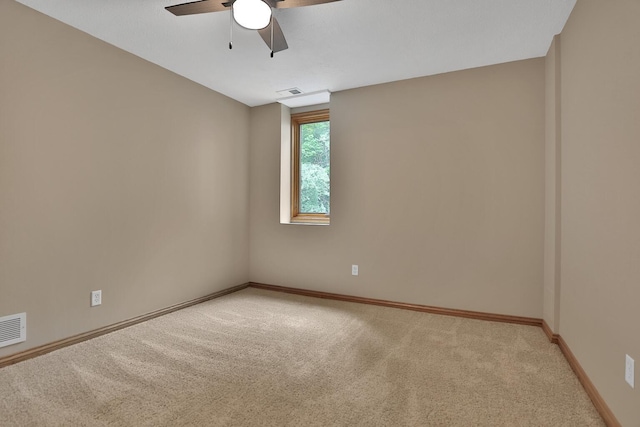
13	329
289	92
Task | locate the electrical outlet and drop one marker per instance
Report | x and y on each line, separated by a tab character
354	270
628	371
96	298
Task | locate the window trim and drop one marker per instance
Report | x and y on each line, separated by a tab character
297	120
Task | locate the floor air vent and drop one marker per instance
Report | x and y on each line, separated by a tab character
13	329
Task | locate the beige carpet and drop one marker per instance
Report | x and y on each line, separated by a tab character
258	358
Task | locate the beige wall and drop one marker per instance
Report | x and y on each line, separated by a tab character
600	317
437	194
552	193
115	174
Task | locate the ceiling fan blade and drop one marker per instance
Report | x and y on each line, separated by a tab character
201	6
285	4
279	42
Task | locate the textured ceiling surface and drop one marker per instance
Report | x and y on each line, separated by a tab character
333	46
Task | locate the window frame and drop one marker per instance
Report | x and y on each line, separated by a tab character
297	120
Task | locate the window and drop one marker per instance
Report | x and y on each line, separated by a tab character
310	167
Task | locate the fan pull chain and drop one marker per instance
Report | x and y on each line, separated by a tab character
231	26
272	34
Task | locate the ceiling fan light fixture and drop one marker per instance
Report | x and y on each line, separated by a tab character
252	14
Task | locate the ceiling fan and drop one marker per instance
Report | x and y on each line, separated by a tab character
250	14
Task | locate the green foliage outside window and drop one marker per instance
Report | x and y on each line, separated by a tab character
314	167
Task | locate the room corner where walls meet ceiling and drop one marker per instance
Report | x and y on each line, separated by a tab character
334	46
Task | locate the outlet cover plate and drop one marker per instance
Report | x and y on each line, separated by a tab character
96	298
354	270
629	371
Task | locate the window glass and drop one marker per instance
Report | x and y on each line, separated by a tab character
315	168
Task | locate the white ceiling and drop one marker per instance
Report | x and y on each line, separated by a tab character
334	46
